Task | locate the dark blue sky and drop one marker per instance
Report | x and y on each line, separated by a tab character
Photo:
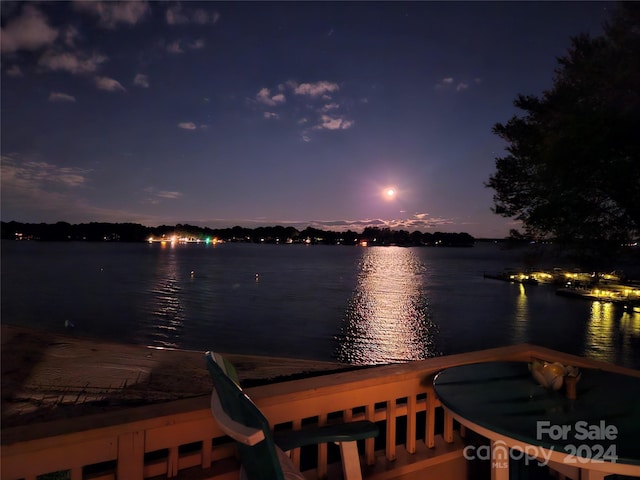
291	113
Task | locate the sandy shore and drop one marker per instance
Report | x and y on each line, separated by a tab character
48	376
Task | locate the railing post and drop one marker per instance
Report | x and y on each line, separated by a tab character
411	424
172	462
206	453
76	473
430	423
295	453
322	450
131	455
390	448
369	443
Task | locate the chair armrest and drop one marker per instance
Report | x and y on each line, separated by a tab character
341	432
237	431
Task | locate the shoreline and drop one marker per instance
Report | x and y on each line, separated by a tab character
47	376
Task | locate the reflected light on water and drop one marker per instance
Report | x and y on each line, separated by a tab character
388	317
521	317
600	330
612	328
165	308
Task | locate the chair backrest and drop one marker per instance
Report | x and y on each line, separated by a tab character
260	461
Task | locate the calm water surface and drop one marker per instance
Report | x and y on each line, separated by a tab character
356	305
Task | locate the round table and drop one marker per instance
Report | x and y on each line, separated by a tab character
596	434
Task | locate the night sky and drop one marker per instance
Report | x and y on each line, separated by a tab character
271	113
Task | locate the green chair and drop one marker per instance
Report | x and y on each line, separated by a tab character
261	451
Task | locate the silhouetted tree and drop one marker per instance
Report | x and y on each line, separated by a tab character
572	172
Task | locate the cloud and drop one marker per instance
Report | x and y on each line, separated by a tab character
264	97
312	98
420	222
316	89
34	176
112	14
178	46
175	47
61	97
448	83
75	63
329	106
109	84
70	35
38	191
170	195
187	125
329	122
155	196
177	15
197	44
29	31
14	71
141	80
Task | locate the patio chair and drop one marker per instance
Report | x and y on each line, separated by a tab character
261	451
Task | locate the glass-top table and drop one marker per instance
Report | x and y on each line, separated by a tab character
596	434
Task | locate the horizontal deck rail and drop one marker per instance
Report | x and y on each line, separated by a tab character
181	440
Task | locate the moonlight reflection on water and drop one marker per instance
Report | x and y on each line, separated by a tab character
388	316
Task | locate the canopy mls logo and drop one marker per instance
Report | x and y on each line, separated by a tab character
499	452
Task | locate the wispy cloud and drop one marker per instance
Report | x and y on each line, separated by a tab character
174	47
70	35
178	15
197	44
316	89
306	97
264	96
155	196
109	84
450	83
112	14
61	97
75	63
167	194
421	222
187	126
329	122
330	106
141	80
14	71
29	31
179	46
30	177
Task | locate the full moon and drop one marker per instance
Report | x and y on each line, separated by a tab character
390	193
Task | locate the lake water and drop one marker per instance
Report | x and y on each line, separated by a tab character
356	305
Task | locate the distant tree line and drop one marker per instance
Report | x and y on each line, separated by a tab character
133	232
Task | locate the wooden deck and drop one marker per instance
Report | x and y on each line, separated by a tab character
180	439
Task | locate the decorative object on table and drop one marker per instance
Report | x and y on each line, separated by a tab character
549	375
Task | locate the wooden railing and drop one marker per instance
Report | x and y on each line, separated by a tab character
181	440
